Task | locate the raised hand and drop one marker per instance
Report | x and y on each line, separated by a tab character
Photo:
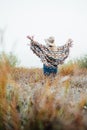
70	42
30	38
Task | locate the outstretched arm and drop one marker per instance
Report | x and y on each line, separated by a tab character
36	47
64	50
67	45
31	38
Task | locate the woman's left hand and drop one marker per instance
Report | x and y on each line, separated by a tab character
70	42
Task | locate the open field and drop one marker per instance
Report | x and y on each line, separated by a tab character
31	101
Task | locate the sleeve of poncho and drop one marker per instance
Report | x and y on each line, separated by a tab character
38	50
63	52
46	55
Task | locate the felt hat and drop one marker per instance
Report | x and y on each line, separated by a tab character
50	41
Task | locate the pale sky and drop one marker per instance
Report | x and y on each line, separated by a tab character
62	19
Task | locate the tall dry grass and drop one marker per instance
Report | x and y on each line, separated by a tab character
74	67
68	68
9	118
42	111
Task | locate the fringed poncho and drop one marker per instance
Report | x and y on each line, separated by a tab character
50	57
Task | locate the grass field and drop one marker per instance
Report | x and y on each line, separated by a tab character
31	101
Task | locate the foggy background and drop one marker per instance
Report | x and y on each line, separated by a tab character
62	19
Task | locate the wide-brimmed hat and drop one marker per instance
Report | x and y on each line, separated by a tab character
50	41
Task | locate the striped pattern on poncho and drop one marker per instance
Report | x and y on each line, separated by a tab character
49	57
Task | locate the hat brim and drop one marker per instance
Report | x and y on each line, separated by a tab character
49	43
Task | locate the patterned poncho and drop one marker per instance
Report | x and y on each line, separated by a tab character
50	57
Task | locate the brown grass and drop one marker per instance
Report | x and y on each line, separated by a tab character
68	69
44	110
6	107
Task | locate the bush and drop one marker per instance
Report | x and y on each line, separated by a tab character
10	58
68	68
82	61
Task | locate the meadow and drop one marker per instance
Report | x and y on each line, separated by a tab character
31	101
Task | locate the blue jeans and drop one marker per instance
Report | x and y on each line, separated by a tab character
49	70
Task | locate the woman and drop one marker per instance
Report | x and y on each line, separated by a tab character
50	55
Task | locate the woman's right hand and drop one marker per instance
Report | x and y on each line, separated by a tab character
30	38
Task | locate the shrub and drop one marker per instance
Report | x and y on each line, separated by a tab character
68	68
10	58
82	61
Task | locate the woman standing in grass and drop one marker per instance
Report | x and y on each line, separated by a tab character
50	55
